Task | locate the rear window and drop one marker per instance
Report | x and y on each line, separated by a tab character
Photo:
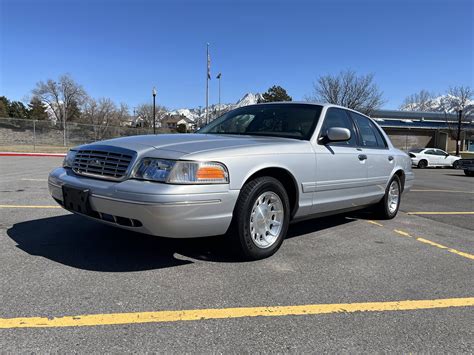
416	150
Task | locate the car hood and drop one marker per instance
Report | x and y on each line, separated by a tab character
185	144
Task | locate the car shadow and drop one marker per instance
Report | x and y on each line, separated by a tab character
85	244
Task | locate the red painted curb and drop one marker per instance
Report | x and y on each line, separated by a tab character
13	154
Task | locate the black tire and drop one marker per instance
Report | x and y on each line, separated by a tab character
240	232
455	164
468	172
382	208
422	164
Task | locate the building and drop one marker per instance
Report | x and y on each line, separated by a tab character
408	129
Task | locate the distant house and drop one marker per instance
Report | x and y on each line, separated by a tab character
172	122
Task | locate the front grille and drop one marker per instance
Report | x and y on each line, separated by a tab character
105	164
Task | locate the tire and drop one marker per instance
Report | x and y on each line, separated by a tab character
422	164
385	208
468	172
249	219
455	164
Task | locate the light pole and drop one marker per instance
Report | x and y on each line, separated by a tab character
154	109
219	107
458	136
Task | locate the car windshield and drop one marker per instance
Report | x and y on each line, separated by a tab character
278	120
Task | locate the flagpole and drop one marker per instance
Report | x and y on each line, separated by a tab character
207	84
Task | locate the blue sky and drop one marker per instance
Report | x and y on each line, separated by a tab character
121	49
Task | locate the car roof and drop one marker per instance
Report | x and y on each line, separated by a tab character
325	105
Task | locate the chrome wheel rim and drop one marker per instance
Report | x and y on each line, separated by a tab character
393	197
266	219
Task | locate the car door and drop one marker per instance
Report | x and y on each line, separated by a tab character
379	160
443	158
341	170
432	157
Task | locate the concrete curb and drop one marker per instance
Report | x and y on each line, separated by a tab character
15	154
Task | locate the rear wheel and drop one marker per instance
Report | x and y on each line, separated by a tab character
422	164
388	207
455	164
468	172
261	218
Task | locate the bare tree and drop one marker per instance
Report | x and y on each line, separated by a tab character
358	92
420	101
459	98
102	114
62	97
145	113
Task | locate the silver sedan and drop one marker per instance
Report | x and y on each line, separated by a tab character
247	175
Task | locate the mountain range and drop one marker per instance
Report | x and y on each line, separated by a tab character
195	113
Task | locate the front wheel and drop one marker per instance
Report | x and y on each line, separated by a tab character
468	172
261	218
388	207
422	164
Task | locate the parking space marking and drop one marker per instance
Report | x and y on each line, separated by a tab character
227	313
375	223
441	213
26	179
27	206
435	190
437	245
429	242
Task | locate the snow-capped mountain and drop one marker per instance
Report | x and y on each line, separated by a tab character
443	103
195	113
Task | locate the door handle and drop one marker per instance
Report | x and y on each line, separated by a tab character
390	158
362	157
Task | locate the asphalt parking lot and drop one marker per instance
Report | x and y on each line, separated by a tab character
355	277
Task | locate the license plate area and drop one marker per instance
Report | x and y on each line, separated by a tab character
76	200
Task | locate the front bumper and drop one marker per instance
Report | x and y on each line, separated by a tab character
175	211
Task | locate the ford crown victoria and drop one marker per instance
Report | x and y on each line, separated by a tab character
247	175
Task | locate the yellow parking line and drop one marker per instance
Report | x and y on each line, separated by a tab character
226	313
405	234
27	206
441	213
435	190
376	223
426	241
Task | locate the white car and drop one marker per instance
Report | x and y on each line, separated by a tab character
425	157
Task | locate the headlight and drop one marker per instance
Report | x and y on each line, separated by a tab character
69	159
154	169
182	172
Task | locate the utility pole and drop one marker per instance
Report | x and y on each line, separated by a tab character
458	136
208	77
219	107
154	110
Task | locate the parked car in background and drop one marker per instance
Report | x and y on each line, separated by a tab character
467	165
427	157
247	174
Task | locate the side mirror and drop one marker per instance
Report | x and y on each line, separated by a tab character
338	134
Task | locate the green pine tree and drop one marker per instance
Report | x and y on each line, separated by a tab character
276	93
36	110
17	110
4	105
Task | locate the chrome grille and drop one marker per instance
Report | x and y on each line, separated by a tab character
104	164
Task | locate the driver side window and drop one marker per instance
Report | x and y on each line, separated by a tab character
336	117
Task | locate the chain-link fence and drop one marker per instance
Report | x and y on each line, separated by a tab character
24	135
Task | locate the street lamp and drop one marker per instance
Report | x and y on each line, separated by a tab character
154	109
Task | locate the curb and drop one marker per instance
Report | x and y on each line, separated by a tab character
14	154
